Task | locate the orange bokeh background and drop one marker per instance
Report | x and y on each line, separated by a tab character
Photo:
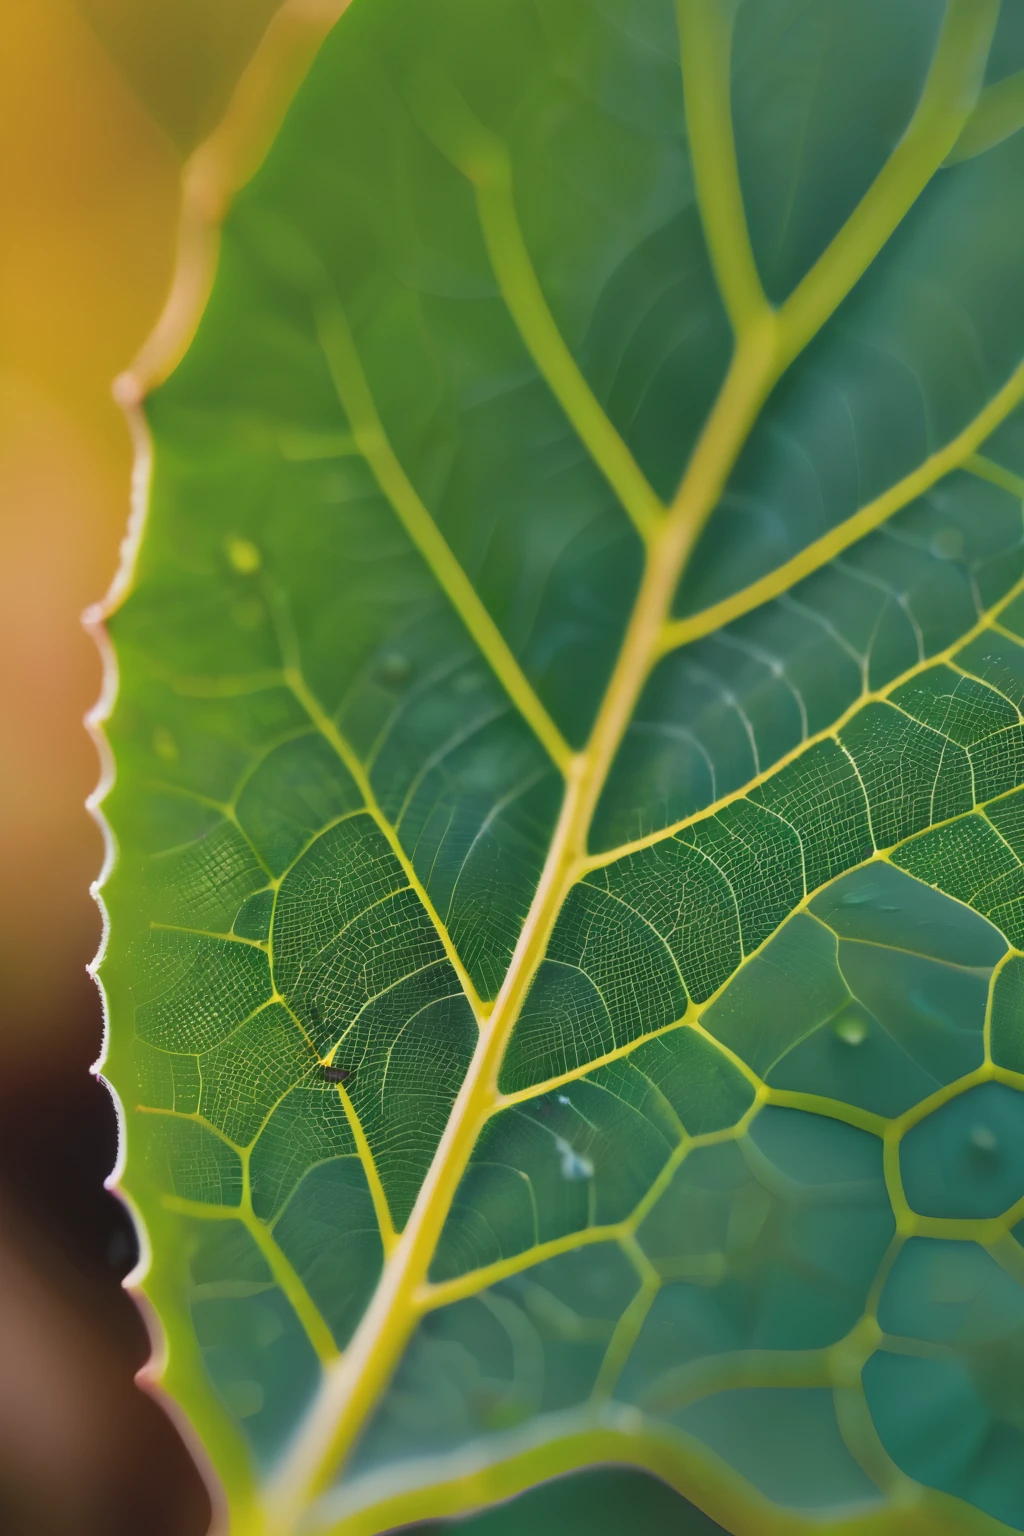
89	192
99	103
88	205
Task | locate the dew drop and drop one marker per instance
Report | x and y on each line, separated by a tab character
851	1030
575	1167
394	669
244	555
983	1139
564	1099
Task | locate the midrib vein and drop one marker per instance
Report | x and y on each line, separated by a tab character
766	345
355	1382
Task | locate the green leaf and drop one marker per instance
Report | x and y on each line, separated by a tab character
567	931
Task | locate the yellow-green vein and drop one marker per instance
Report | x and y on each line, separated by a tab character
947	101
998	114
997	474
705	39
284	1274
681	1385
352	1388
484	160
358	404
620	1434
829	732
296	681
956	454
627	1329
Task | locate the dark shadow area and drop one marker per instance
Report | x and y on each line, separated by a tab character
83	1451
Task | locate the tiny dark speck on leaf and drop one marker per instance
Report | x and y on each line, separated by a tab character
337	1074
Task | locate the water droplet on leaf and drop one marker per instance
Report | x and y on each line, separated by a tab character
983	1139
244	555
851	1030
575	1167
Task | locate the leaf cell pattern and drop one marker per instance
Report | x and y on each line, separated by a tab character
567	935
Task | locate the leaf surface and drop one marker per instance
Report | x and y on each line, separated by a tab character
564	972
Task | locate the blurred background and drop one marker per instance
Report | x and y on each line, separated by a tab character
101	103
